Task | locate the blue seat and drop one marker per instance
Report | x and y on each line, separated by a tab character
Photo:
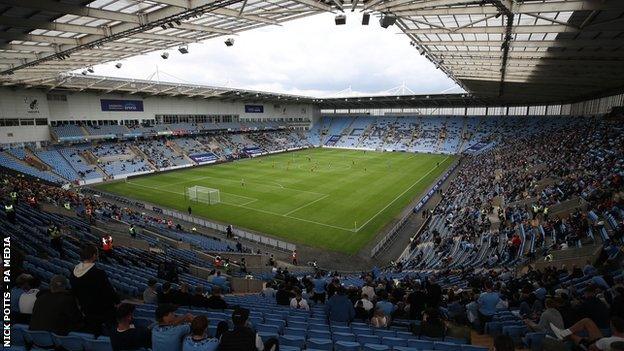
99	344
455	340
362	331
267	328
289	348
17	334
300	325
391	341
405	335
267	335
340	329
368	339
319	334
346	346
420	344
385	333
376	347
320	344
446	346
39	338
69	343
292	340
404	348
295	331
343	337
493	328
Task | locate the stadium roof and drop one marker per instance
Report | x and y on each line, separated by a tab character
501	51
141	87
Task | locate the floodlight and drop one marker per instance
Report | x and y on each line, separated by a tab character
118	65
229	42
183	49
365	19
164	55
340	20
90	69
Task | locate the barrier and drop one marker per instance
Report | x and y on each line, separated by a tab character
255	237
423	201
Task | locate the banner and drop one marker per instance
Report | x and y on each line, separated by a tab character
121	105
204	158
254	109
252	151
31	104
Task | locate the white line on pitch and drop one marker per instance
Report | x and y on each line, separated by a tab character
305	205
398	196
253	209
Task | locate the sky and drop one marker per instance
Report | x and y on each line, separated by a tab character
310	56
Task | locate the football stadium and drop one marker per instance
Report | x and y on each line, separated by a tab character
254	205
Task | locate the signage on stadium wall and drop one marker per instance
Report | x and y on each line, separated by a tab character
204	158
252	151
121	105
31	104
254	109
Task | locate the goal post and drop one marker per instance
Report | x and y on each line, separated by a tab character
203	194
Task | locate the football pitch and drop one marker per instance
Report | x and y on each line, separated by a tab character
333	199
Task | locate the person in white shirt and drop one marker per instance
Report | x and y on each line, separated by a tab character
28	298
366	303
368	290
299	303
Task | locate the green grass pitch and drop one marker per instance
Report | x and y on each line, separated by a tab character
333	199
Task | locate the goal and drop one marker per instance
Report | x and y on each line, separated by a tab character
202	194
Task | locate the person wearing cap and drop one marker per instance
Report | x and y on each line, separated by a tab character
171	329
56	311
127	336
95	294
242	337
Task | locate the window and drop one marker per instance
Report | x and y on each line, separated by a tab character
9	122
41	121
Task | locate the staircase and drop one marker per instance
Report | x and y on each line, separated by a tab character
88	156
32	160
177	149
141	154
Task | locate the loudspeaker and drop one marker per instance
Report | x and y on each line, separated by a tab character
365	19
340	20
386	21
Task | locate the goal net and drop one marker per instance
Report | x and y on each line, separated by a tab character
202	194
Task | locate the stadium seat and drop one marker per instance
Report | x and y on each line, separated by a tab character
346	346
376	347
295	331
368	339
420	344
41	339
320	344
18	334
292	340
391	341
99	344
69	343
534	341
455	340
343	337
446	346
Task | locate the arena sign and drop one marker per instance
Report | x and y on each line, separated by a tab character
254	109
121	105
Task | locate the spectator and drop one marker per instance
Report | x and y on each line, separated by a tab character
268	290
319	293
56	311
432	325
386	306
299	303
28	298
167	294
95	294
593	308
243	337
199	340
198	299
379	319
216	301
339	307
21	284
126	336
284	295
550	316
595	339
366	303
218	279
150	295
171	329
487	302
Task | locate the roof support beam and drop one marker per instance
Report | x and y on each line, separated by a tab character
523	29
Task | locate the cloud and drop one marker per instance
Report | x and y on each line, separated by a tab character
309	56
